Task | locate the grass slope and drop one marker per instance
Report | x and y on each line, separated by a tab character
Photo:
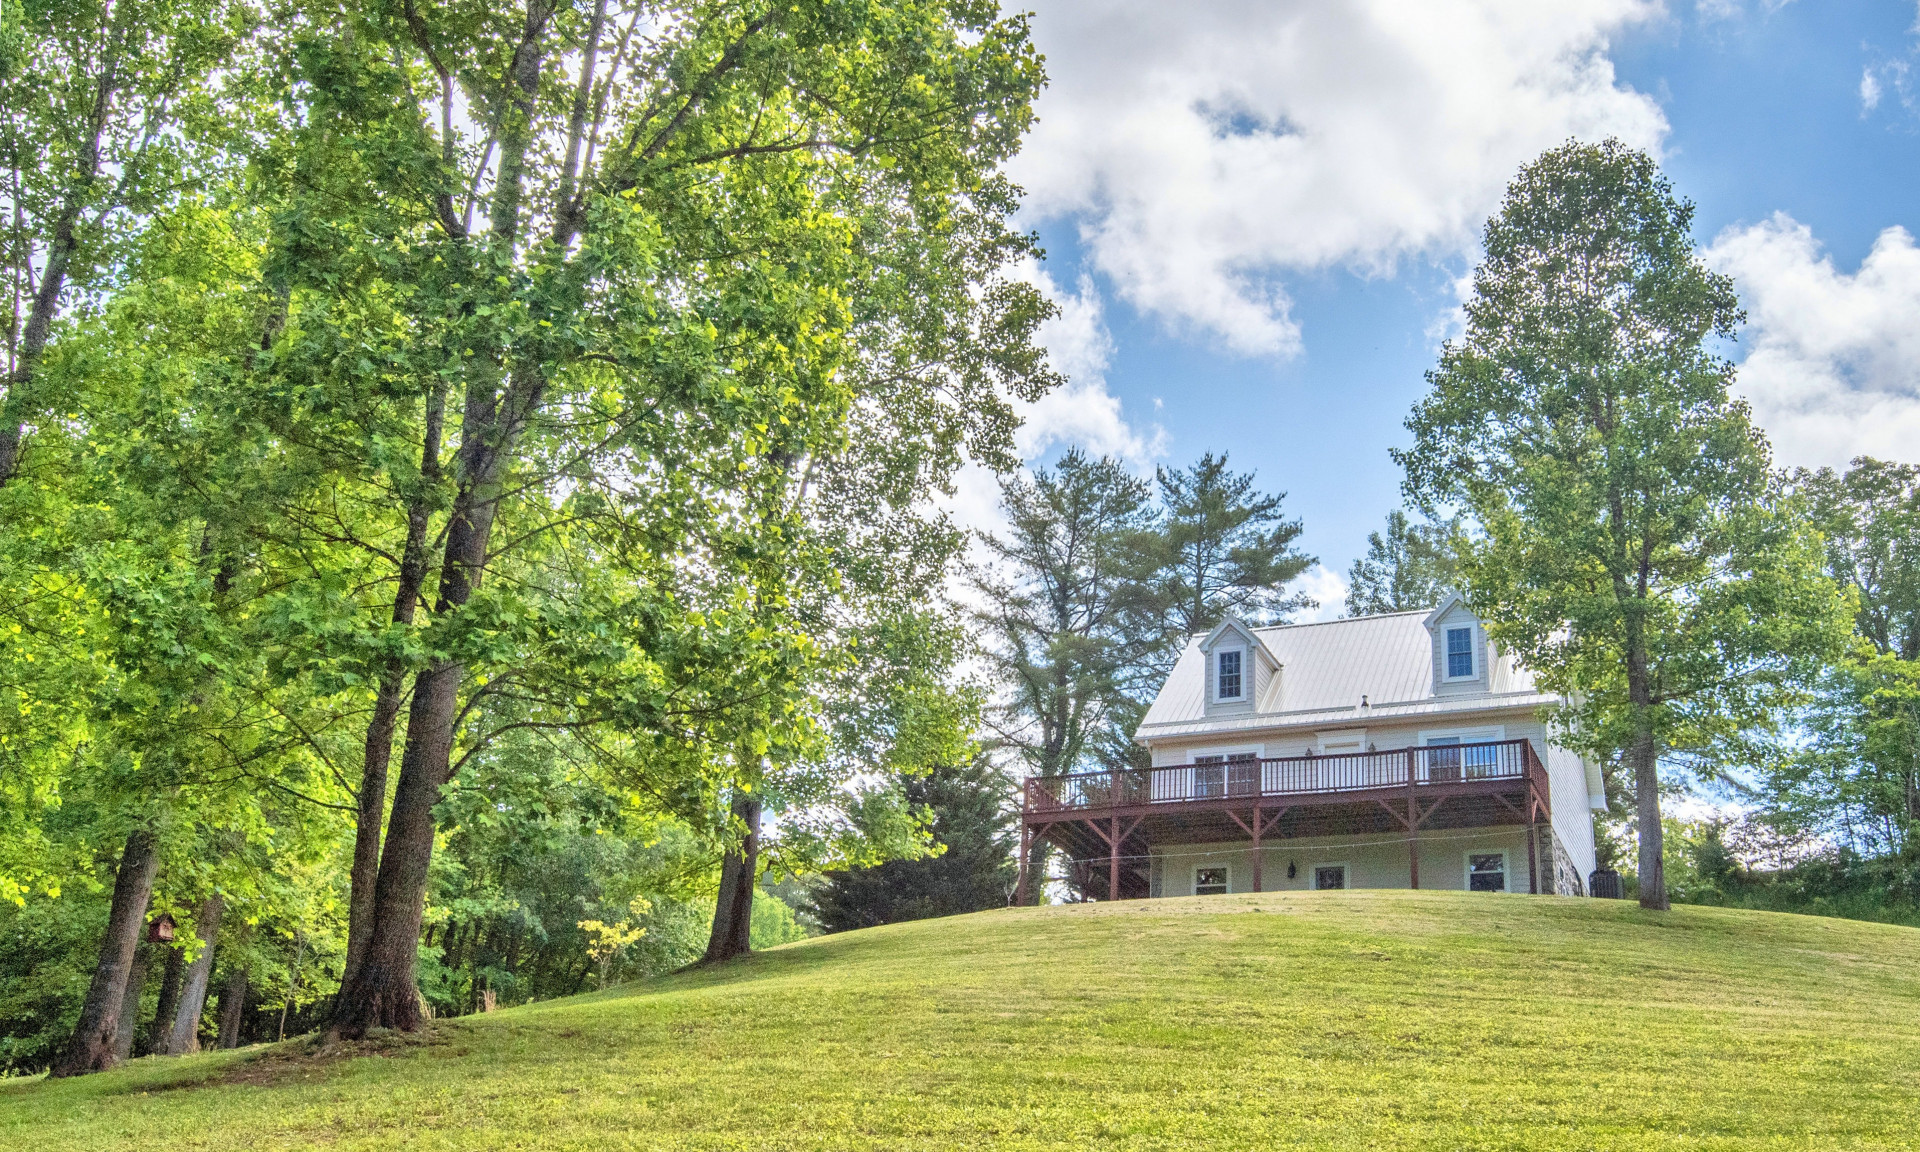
1300	1020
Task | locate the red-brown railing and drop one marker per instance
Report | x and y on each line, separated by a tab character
1289	776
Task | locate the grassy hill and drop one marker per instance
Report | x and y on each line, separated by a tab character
1310	1020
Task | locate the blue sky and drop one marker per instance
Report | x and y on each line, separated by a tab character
1277	292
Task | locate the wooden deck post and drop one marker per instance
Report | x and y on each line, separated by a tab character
1026	850
1113	862
1533	853
1256	847
1413	828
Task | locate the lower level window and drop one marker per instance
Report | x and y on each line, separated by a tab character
1329	876
1209	881
1487	871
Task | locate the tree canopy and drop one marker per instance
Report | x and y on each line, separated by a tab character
1636	548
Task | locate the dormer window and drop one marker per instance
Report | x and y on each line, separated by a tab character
1227	675
1460	653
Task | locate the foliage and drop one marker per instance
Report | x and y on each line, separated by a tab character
1750	863
1852	777
1397	1020
1871	518
1222	549
1060	614
973	869
1407	569
1636	550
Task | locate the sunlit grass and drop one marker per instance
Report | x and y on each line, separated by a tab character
1323	1020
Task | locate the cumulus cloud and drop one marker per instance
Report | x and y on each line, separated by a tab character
1206	150
1833	361
1869	91
1081	414
1326	586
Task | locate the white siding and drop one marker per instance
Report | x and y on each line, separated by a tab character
1372	861
1572	818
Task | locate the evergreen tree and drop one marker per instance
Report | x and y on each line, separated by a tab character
1224	547
1061	620
973	870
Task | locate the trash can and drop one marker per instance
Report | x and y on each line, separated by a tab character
1604	883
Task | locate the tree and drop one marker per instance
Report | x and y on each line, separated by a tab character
1406	570
1068	628
1857	781
1870	516
106	109
1060	609
1223	548
1637	550
617	250
972	871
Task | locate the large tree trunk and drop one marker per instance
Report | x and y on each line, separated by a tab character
381	992
233	1006
161	1026
733	909
378	754
1643	756
130	1006
183	1036
372	809
92	1046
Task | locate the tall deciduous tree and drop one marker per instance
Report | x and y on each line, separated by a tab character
1857	782
1870	515
104	100
1406	568
1224	547
621	250
1060	609
1639	553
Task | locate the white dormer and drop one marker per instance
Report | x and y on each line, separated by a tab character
1461	654
1240	670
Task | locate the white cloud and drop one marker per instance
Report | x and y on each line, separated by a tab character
1082	413
1204	150
1833	366
1869	90
1328	587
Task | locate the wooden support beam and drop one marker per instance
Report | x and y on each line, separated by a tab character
1026	856
1113	862
1413	824
1256	848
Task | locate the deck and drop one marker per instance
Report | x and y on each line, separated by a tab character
1114	817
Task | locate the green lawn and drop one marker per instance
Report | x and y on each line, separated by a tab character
1313	1020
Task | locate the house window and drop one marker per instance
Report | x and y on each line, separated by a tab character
1329	876
1486	871
1234	774
1459	653
1227	681
1210	881
1447	760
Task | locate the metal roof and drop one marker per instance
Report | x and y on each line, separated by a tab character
1325	671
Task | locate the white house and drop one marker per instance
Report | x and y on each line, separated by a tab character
1392	751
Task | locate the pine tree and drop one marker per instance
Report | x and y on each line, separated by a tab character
975	871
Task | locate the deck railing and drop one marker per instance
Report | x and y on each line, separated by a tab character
1290	776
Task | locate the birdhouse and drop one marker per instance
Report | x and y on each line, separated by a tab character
160	929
